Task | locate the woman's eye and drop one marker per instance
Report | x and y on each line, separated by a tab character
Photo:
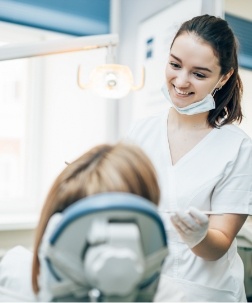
199	75
174	65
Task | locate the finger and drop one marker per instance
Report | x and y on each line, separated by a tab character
198	215
188	220
177	224
180	224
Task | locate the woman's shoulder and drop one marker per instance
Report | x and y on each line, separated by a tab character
236	133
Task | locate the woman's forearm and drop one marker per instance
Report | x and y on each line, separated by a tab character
213	247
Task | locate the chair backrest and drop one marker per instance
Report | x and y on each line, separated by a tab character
106	247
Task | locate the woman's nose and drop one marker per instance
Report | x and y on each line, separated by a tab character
182	79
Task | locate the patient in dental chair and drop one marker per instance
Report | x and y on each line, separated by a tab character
99	237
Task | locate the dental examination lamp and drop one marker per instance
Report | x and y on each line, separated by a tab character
109	80
105	248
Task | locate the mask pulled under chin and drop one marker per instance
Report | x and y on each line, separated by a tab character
199	107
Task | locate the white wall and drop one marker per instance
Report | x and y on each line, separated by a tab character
132	13
74	120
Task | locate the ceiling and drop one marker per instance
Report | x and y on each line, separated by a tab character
74	17
92	17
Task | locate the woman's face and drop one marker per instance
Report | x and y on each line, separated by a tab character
192	70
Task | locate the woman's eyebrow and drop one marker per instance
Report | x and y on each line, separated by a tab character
176	58
196	67
203	68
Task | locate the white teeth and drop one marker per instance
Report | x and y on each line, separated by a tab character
180	91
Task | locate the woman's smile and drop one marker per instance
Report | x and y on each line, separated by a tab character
182	92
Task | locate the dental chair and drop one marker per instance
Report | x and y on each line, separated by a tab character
106	247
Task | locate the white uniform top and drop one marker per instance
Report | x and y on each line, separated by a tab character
215	175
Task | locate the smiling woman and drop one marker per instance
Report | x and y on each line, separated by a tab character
203	160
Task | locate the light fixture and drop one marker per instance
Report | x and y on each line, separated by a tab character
109	80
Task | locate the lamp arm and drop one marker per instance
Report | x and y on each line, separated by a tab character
141	85
50	47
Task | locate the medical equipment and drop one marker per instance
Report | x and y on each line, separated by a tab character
106	247
109	80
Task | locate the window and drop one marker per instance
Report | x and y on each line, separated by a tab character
15	116
45	119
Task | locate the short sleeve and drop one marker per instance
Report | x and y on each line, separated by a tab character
233	193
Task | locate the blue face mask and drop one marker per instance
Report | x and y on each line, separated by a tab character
201	106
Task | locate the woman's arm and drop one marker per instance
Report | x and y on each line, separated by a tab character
220	235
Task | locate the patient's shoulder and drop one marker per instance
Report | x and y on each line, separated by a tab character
15	275
16	259
17	251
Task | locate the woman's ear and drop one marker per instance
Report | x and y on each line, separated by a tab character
226	77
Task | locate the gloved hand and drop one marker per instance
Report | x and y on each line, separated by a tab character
192	225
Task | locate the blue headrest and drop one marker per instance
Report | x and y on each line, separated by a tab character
112	242
130	204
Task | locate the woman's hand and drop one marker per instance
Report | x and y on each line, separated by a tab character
192	225
208	237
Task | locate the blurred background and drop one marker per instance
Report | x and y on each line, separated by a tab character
47	120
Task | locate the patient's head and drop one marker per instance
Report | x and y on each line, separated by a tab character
105	168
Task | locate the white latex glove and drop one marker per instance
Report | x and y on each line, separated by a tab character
191	225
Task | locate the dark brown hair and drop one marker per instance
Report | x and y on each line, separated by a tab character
105	168
217	33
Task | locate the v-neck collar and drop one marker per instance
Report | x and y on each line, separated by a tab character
191	152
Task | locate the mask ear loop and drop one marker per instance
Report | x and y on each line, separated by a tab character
215	89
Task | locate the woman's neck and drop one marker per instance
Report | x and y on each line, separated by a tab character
193	122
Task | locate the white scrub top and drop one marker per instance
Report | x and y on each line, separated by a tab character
215	175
